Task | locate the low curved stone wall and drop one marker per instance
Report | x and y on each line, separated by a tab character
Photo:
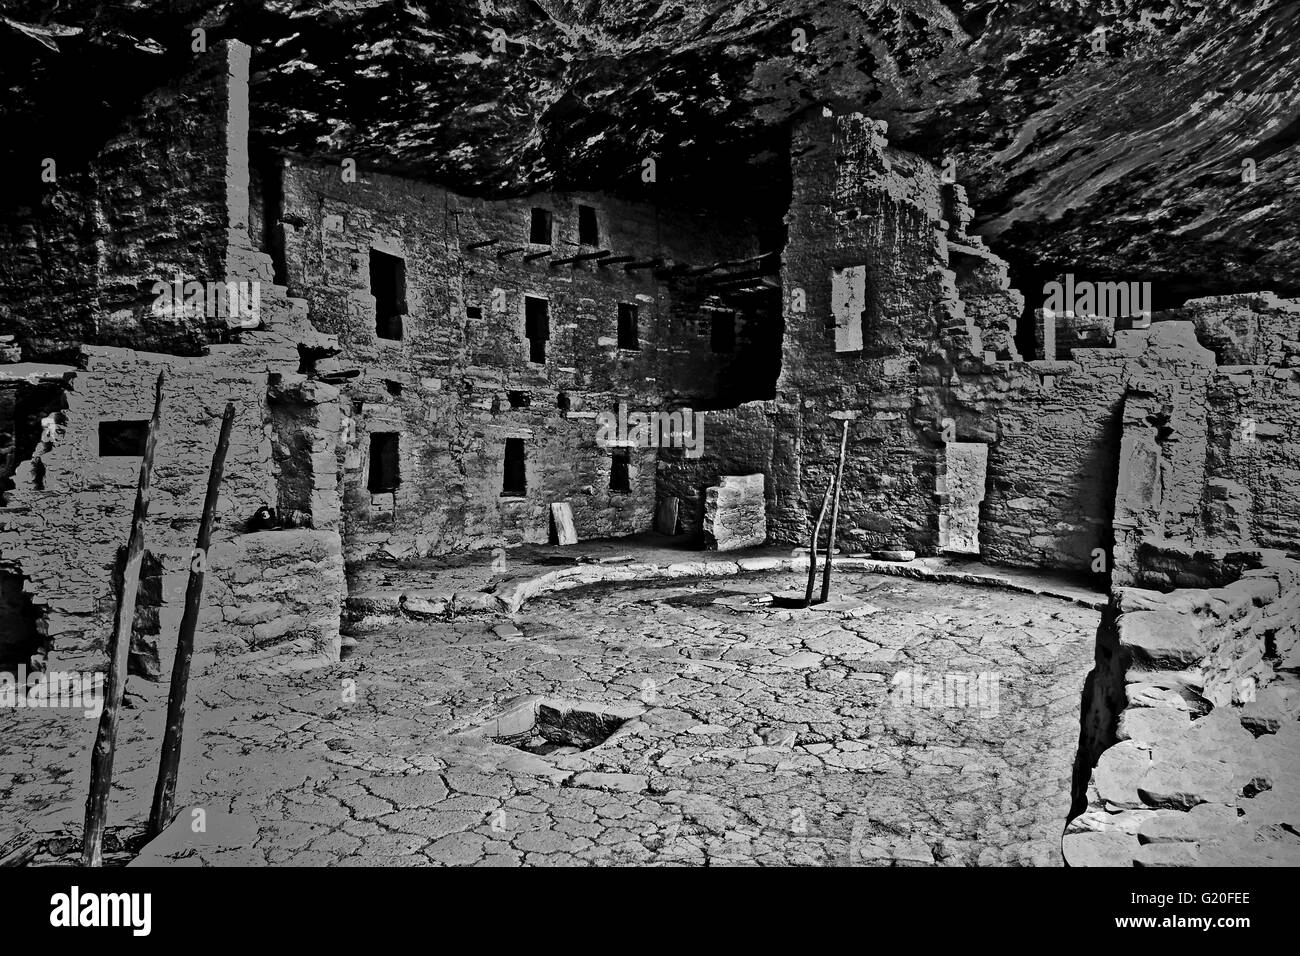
1206	769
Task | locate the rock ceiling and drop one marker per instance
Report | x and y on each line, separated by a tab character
1122	152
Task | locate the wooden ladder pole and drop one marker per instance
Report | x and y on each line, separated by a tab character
128	581
164	796
835	514
812	543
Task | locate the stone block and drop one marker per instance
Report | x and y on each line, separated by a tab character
562	523
1161	639
735	513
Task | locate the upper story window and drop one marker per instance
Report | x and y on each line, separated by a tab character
539	230
537	327
722	332
620	471
385	467
514	483
628	337
588	230
388	286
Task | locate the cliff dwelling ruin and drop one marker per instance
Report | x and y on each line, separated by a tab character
521	486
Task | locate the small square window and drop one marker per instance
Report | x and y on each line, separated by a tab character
627	327
123	439
473	312
539	230
385	469
588	230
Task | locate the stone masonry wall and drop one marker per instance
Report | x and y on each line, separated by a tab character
747	440
70	508
863	208
459	383
1206	770
148	207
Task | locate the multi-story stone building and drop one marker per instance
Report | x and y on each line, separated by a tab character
426	371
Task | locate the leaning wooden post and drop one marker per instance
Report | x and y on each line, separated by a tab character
101	758
835	515
165	792
812	543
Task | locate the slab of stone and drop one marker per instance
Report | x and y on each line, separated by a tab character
896	556
1271	708
1167	854
735	513
1152	726
1107	848
1204	822
423	607
1118	773
666	515
1181	786
566	532
1161	640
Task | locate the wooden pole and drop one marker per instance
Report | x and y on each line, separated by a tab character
835	515
581	257
812	543
101	758
18	851
164	796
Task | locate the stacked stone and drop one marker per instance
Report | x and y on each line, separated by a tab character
735	513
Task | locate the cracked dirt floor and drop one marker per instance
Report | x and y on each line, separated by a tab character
766	737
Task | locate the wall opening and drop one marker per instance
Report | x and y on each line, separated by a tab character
514	483
722	332
123	439
26	413
588	230
961	486
385	462
540	226
19	636
628	337
620	470
537	327
388	286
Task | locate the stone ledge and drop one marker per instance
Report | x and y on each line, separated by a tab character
511	596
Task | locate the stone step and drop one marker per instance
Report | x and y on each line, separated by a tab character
1161	640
